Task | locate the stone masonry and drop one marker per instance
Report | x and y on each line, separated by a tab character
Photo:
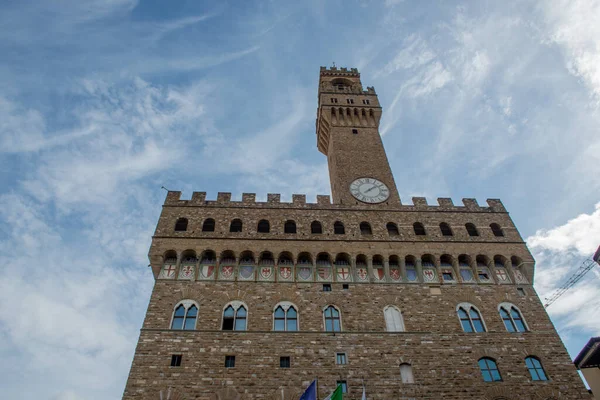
425	276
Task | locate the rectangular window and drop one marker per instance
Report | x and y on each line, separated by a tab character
447	276
327	287
284	362
333	100
350	101
344	386
355	131
521	291
345	286
340	358
229	361
176	360
366	102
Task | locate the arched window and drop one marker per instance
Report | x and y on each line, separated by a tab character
236	225
497	230
289	227
235	317
185	315
263	226
511	316
393	319
445	229
392	229
419	229
285	317
316	228
469	317
332	319
365	228
338	228
208	225
489	370
471	229
406	373
535	368
181	225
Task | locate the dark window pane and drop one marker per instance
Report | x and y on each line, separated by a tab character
284	362
176	360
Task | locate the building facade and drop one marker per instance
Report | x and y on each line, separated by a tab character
254	300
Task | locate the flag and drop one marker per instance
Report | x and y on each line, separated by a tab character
336	395
364	396
311	392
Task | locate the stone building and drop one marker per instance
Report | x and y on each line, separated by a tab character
254	300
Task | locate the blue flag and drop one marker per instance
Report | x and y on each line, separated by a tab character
311	392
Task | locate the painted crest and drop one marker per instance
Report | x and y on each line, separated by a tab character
502	275
466	275
395	274
428	275
343	273
379	273
285	272
362	273
207	270
324	273
519	276
411	274
247	271
167	272
266	272
186	272
227	271
304	273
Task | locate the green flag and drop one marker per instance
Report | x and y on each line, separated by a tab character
336	395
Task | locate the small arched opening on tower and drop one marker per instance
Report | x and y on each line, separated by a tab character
342	259
227	258
361	261
316	228
365	228
305	258
394	261
289	226
266	258
170	257
392	229
236	225
338	228
419	229
341	84
189	257
377	261
263	226
181	225
247	257
496	230
208	257
208	225
445	229
285	258
323	259
471	229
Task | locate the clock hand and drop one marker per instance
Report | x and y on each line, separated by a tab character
368	190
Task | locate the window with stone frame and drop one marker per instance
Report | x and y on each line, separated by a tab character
393	319
289	226
489	370
406	373
235	317
332	318
512	318
365	228
537	372
236	225
338	228
471	229
392	229
470	318
185	315
285	317
263	226
419	229
316	228
445	229
497	230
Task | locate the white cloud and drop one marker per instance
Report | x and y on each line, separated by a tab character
559	253
574	25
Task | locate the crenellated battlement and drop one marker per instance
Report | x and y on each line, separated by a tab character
324	202
335	71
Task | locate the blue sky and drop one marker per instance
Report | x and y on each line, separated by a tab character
102	102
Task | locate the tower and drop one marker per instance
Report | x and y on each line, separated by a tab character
254	300
348	134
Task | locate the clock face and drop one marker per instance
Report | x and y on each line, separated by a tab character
369	190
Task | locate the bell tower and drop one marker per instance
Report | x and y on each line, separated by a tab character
348	134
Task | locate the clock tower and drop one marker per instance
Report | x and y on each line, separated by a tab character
348	134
